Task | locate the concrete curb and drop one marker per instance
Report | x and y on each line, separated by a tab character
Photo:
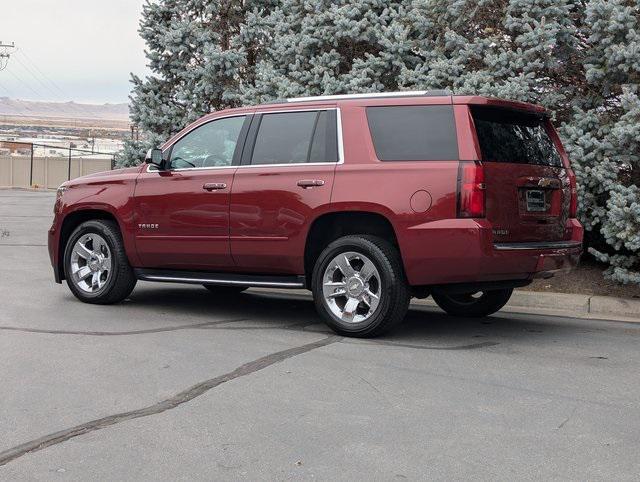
556	304
571	305
618	306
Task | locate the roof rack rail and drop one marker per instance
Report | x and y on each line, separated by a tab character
369	95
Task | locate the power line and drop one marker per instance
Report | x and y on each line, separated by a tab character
5	89
15	76
21	51
10	95
30	72
44	76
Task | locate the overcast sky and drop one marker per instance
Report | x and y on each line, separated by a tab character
83	50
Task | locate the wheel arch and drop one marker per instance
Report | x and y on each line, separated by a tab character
332	225
72	220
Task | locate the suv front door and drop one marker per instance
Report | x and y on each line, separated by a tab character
183	211
286	176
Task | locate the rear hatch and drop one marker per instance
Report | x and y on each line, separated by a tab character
528	193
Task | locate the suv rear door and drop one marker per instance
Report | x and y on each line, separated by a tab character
528	192
286	174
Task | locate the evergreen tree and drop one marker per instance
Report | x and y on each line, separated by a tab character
199	53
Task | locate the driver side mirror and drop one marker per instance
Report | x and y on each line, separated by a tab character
154	157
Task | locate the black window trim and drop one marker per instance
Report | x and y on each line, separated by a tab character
250	140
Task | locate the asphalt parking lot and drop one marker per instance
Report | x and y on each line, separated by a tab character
178	384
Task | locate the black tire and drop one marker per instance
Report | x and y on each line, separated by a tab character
121	280
225	290
485	304
393	289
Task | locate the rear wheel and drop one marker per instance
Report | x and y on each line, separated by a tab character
95	263
359	286
225	290
476	304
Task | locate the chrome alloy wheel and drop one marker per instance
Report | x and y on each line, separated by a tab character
351	286
91	263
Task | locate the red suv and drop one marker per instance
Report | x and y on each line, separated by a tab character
366	200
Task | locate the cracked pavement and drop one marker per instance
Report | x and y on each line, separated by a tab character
178	384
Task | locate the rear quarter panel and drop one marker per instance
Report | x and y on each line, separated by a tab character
363	183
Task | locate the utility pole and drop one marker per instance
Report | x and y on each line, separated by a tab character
69	166
5	53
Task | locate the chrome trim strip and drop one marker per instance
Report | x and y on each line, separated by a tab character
340	139
189	168
248	282
249	166
537	245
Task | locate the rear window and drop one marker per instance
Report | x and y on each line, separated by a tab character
515	137
413	133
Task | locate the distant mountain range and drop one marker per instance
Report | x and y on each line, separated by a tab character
66	110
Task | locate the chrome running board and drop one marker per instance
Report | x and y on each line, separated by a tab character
223	279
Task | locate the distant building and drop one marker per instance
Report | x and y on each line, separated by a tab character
16	148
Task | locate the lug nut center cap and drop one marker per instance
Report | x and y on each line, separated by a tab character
355	287
94	263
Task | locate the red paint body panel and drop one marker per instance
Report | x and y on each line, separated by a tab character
271	215
192	223
260	222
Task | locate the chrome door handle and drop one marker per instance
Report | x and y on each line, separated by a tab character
305	183
214	186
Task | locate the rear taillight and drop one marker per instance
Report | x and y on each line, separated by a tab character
573	207
471	190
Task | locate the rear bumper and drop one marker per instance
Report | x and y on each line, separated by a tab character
463	250
537	246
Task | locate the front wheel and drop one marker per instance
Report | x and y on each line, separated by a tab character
359	286
95	263
476	305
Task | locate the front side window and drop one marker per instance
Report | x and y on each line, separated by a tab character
295	138
413	132
210	145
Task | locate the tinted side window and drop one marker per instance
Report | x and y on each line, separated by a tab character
284	138
210	145
324	147
413	133
295	137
